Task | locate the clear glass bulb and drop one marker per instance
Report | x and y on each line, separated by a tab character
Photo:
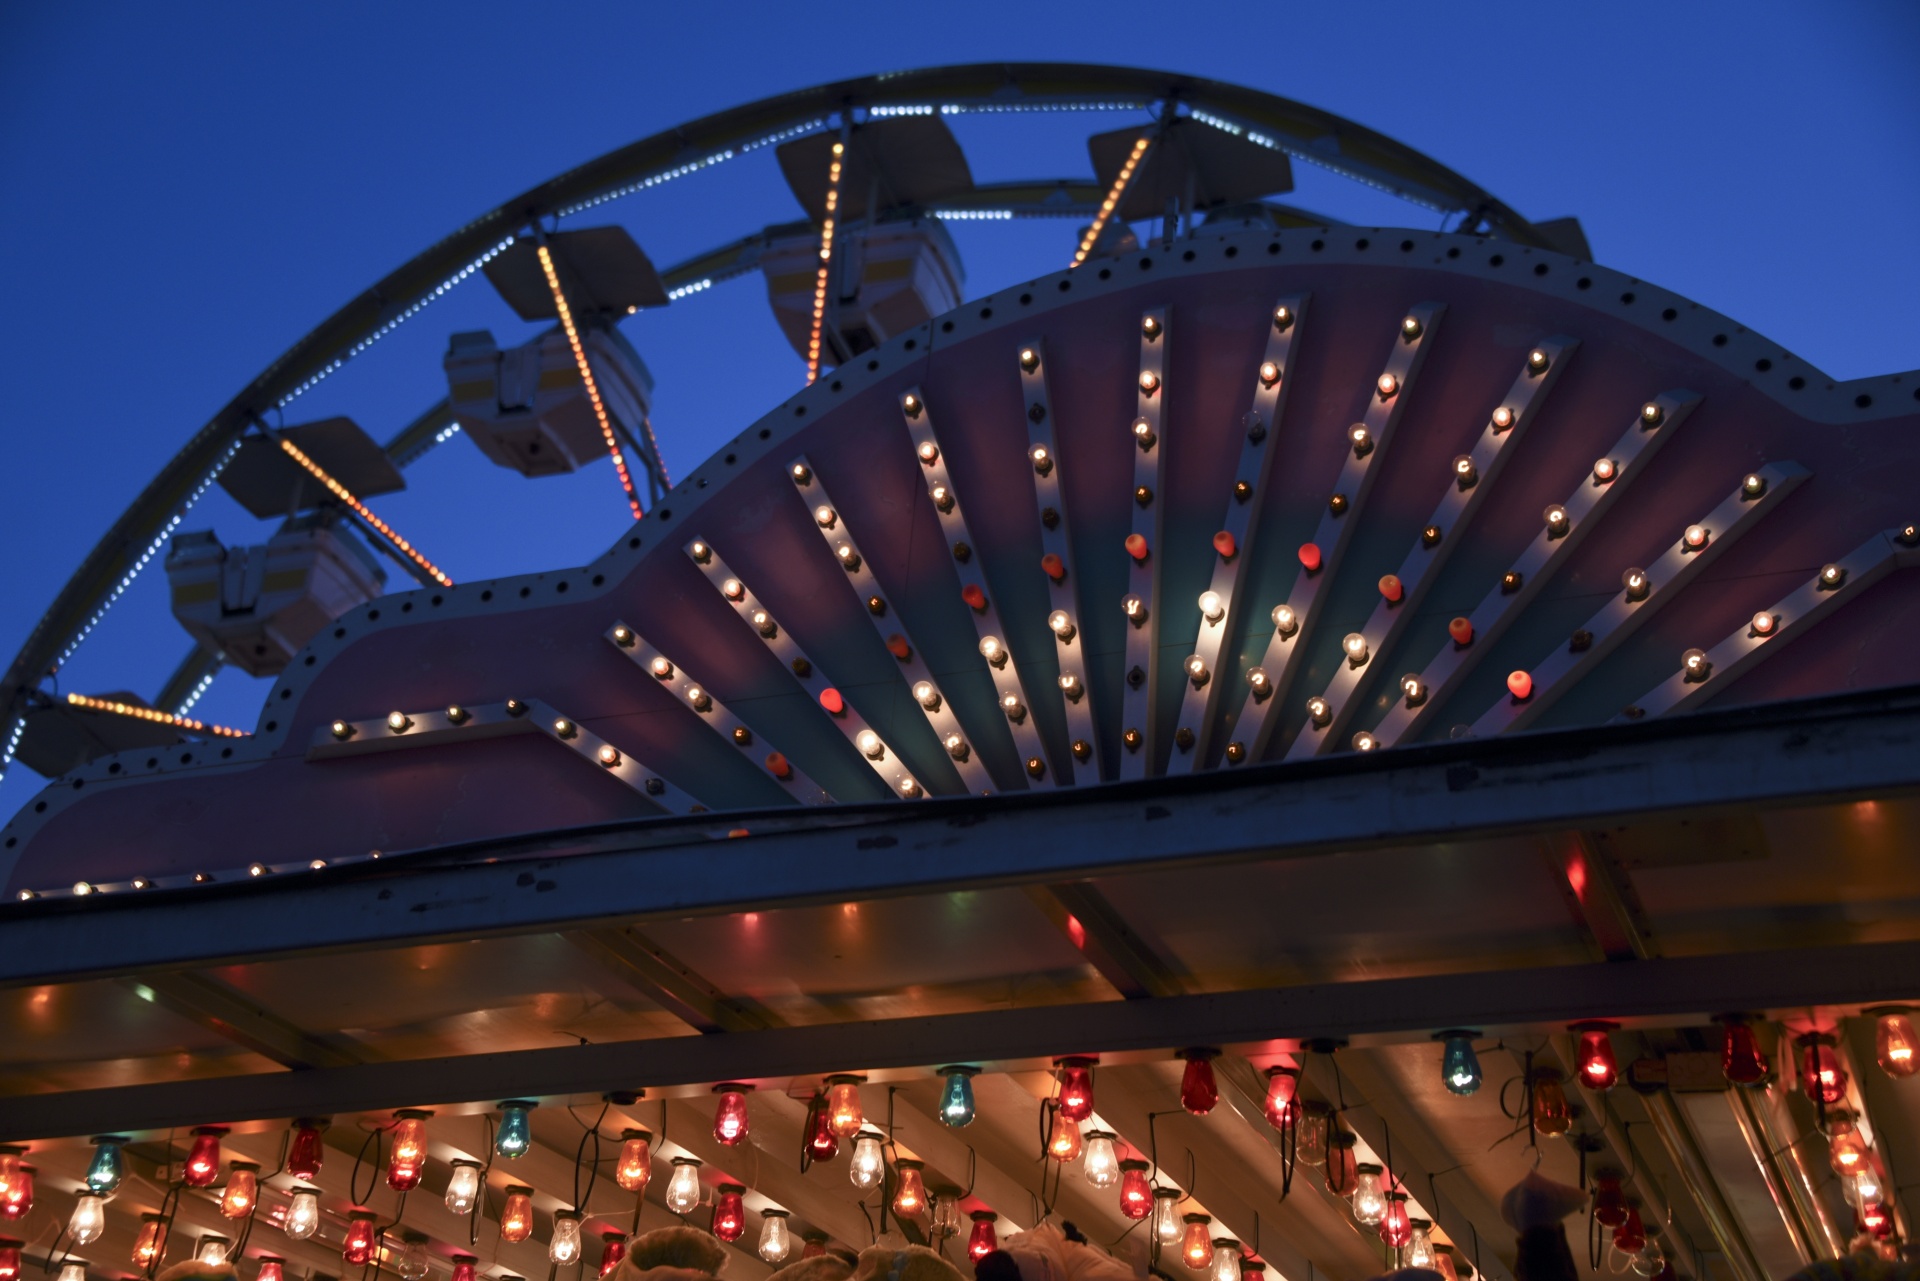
213	1250
775	1241
1420	1246
1166	1216
868	1164
1650	1259
73	1270
1226	1261
1369	1200
946	1214
413	1258
683	1189
564	1249
1864	1188
303	1213
89	1218
1098	1162
463	1187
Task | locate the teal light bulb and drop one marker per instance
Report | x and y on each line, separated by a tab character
515	1135
956	1100
108	1167
1459	1065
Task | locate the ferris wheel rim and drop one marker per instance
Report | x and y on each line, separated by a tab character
134	538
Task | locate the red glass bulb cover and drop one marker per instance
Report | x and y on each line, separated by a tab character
19	1194
1396	1226
1199	1092
1873	1217
1896	1046
1076	1090
1283	1087
409	1159
1136	1193
357	1249
465	1268
815	1248
274	1268
1821	1075
1609	1202
1740	1056
983	1240
1598	1068
729	1211
616	1250
730	1115
1550	1114
203	1161
10	1259
306	1150
822	1143
151	1242
1343	1167
1631	1236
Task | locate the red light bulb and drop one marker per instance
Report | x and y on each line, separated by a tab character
822	1143
1199	1092
10	1258
1821	1075
1076	1089
465	1268
1597	1068
910	1196
1396	1227
150	1243
203	1161
1631	1236
274	1268
409	1159
18	1197
983	1240
1609	1202
1740	1056
1343	1167
616	1250
1136	1193
815	1247
306	1149
357	1249
730	1115
729	1211
1283	1087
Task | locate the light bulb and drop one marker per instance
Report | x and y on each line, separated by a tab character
1420	1245
516	1214
1136	1194
463	1186
822	1143
1609	1201
212	1250
983	1240
775	1241
465	1268
413	1257
89	1218
946	1213
238	1198
108	1167
1199	1092
564	1249
1459	1064
1845	1148
1355	646
1396	1227
1099	1163
1061	624
994	652
683	1189
273	1268
1310	1134
613	1248
303	1213
1076	1089
1283	1088
1064	1142
1226	1260
730	1114
868	1163
910	1194
1740	1056
1604	470
1550	1113
1214	609
148	1244
1166	1216
1650	1260
1597	1067
1864	1188
71	1270
203	1161
956	1096
515	1134
1895	1046
358	1246
1196	1242
1369	1199
1821	1075
409	1159
729	1211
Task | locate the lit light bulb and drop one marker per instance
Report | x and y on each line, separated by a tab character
1846	1150
463	1186
613	1249
1420	1245
1099	1163
516	1213
1064	1141
1143	433
1361	439
1740	1056
108	1166
983	1239
1865	1187
213	1248
1502	418
1283	1088
1538	360
1695	537
1550	1113
1212	607
1134	608
729	1211
824	516
993	651
822	1144
1459	1064
869	743
730	1114
1226	1260
1166	1216
399	722
1199	1091
1061	624
1557	520
515	1134
409	1158
1196	1242
1318	711
1896	1047
272	1268
1149	382
1369	1200
776	1242
1464	471
1042	460
1605	469
868	1164
1269	373
203	1161
1355	646
1197	670
1396	1227
926	695
683	1189
1596	1064
303	1213
1387	384
71	1270
89	1218
148	1244
1136	1194
956	1096
564	1248
413	1257
358	1245
238	1198
1821	1075
910	1193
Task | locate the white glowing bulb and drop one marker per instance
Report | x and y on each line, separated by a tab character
1226	1262
1356	647
1696	536
1099	1163
73	1270
213	1250
1369	1200
1387	384
463	1187
1166	1217
89	1218
775	1240
869	742
564	1249
869	1163
1212	606
303	1214
824	516
1420	1246
683	1189
1284	621
1061	624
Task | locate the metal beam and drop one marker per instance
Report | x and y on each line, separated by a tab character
214	1005
1091	923
643	964
1820	750
1669	991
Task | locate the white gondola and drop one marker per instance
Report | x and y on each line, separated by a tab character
527	408
884	280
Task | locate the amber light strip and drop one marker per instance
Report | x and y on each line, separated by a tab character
157	717
360	509
1232	544
926	691
1003	668
1112	201
1139	704
1706	672
1643	591
826	263
1470	478
1421	695
586	376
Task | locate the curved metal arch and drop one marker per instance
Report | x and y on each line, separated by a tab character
1307	132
